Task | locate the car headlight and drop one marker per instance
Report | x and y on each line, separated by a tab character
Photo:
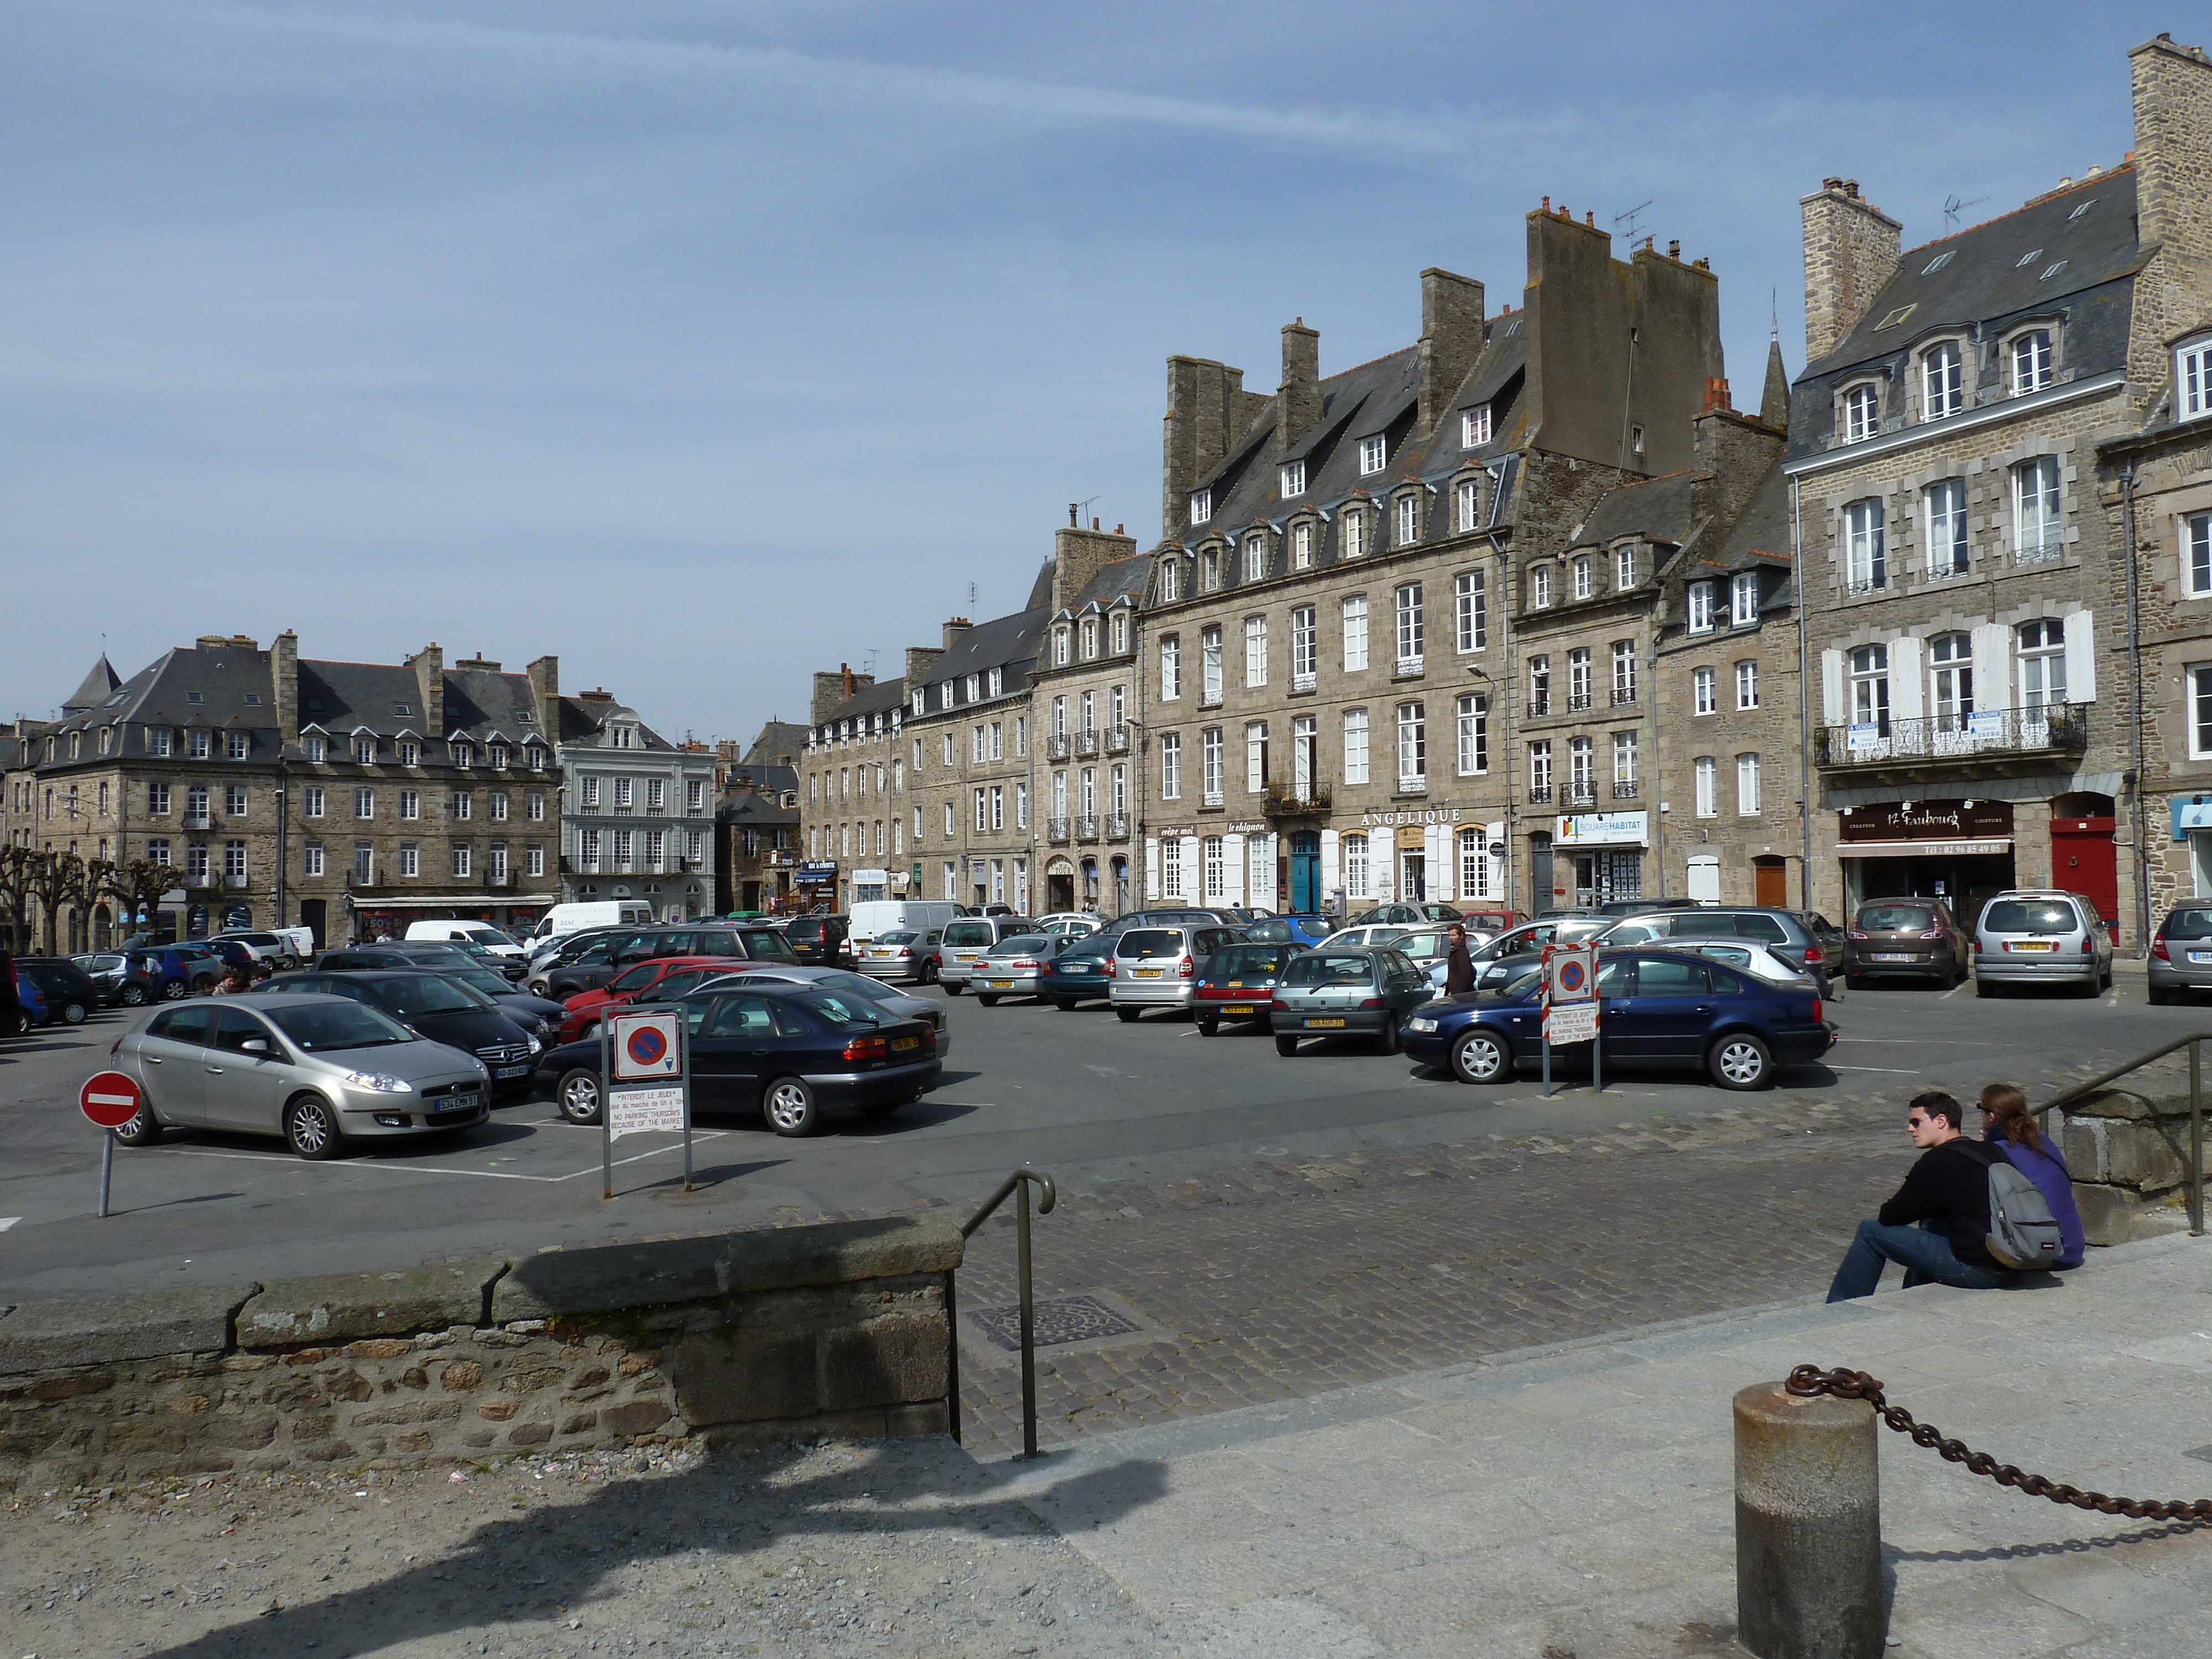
1420	1023
484	1072
382	1082
536	1047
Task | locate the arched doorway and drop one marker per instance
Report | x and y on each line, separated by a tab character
103	927
2083	859
1059	886
1120	871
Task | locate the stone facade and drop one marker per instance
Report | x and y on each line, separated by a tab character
640	817
856	803
1083	710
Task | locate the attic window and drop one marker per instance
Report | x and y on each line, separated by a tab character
1938	263
1373	452
1896	317
2079	211
2051	270
1474	427
194	696
119	697
402	709
1202	506
2027	259
1294	478
253	697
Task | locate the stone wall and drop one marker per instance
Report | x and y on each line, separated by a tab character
2129	1155
839	1329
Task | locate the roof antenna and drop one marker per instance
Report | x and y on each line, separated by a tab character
1634	230
1773	314
1952	207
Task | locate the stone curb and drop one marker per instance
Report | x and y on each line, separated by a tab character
100	1329
341	1307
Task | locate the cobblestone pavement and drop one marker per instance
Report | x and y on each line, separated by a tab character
1278	1280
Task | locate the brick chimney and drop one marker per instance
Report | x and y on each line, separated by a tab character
1451	340
284	684
1297	399
1208	410
545	694
429	666
2173	88
1851	250
1079	555
828	692
954	628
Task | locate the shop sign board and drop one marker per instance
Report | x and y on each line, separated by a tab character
1605	830
644	1083
2191	813
1927	820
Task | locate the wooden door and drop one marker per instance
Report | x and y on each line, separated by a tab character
1771	883
2083	861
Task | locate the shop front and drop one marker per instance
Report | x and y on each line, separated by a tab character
1597	858
816	881
388	915
1959	851
871	884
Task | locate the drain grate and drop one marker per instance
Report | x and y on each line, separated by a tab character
1059	1320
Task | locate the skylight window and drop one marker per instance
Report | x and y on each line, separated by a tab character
194	696
253	696
119	697
1373	452
402	709
1938	263
1896	317
2079	211
2027	259
2052	271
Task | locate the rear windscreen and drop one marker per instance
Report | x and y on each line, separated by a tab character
1246	960
1320	969
2029	916
1897	919
968	933
2187	924
1150	942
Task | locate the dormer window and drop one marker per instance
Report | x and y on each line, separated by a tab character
536	757
498	755
1624	568
1059	648
1474	427
2030	362
1087	638
922	701
1373	452
409	754
1202	506
1942	392
198	746
995	683
1540	587
945	694
106	739
1117	632
364	751
317	750
1302	546
1293	479
1209	571
236	745
1355	532
1409	519
403	709
975	688
1255	558
463	755
1701	607
625	737
2192	381
1583	579
1743	599
1861	414
1170	584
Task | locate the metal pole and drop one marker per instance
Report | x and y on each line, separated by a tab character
108	1164
1028	1327
2196	1139
684	1059
952	1354
1597	1057
2141	851
1548	1065
1804	697
607	1123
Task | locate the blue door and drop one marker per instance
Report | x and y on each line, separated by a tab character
1305	872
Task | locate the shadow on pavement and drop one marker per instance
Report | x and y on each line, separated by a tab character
1891	1554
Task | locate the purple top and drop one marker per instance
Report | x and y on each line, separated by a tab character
2048	1171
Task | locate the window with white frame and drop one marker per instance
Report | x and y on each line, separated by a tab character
1117	632
1412	630
1743	599
1945	501
1209	666
1413	746
1473	735
1701	607
461	806
2200	712
998	806
1951	680
1861	414
2196	554
1373	452
1624	567
1255	558
1707	771
1624	672
1355	633
1170	669
1202	506
2035	510
1209	571
1355	532
1869	687
1866	559
1539	770
2042	666
1467	505
313	859
1355	867
1255	758
1474	866
1578	680
1540	683
1623	765
1061	647
1210	757
1301	545
1471	611
1171	582
948	748
1585	581
317	747
1256	651
1474	427
410	860
410	803
1171	766
1582	771
1942	390
1305	755
409	753
1539	587
1303	648
1409	519
1211	847
2030	359
1293	478
1355	745
982	811
1171	866
1747	786
950	822
2192	380
1746	684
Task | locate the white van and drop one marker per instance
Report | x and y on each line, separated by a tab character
563	920
871	919
468	933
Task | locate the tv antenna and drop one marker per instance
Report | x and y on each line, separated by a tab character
1952	207
872	656
1625	224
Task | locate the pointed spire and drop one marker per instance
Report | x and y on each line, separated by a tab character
98	685
1774	402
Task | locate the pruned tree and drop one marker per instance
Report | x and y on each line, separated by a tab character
57	879
138	886
16	863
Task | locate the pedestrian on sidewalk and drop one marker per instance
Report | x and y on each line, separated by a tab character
1459	967
2007	1123
1934	1224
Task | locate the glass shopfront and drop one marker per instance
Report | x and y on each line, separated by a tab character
1959	851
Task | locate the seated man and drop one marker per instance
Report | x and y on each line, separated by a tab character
1935	1225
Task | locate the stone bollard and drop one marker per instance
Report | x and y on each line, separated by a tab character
1808	1526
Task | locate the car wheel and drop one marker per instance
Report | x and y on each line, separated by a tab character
73	1014
1386	1040
790	1107
175	990
133	996
928	973
1482	1057
1287	1046
2157	998
1209	1027
952	989
577	1095
987	999
1855	982
1128	1016
1984	988
143	1130
1740	1060
2105	981
311	1128
2091	987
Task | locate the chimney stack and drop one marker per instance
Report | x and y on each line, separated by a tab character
1851	251
1297	399
1208	409
284	685
2172	90
1080	554
544	675
1451	340
429	666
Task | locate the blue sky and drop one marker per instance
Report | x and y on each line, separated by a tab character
707	345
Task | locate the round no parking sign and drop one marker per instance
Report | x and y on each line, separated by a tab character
644	1046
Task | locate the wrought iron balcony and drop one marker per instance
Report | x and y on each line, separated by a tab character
1087	829
1581	793
1578	702
1538	707
236	882
1056	746
1293	802
1624	789
1623	696
1982	741
1055	830
1117	740
1540	794
1117	826
1086	741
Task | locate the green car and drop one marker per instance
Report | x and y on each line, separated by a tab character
1080	973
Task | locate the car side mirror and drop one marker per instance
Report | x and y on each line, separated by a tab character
254	1046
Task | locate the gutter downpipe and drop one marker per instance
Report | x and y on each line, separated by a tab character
2142	860
1658	819
1512	682
1804	699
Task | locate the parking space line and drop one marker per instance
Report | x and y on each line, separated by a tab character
8	1221
1902	1071
697	1135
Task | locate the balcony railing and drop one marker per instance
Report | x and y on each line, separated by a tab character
1578	702
1538	707
1623	696
1055	830
1623	789
1117	740
1117	826
195	821
1086	742
1985	734
1540	794
1417	784
1087	829
1868	581
499	878
2037	546
1581	793
1294	802
1301	682
236	880
1056	746
1210	699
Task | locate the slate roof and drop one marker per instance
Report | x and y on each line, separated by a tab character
98	686
1121	579
1657	509
776	737
1005	642
745	806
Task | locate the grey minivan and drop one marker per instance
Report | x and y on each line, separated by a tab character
966	941
2041	936
1158	967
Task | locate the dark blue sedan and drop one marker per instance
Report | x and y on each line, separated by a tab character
1657	1007
1083	971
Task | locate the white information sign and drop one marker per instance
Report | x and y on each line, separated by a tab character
646	1046
644	1111
1572	1022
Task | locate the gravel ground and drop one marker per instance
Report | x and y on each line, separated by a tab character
830	1548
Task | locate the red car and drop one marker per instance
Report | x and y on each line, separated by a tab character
657	980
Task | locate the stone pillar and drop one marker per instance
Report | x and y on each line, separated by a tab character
1808	1526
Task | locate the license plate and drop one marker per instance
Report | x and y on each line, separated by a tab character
1146	973
460	1102
2034	944
2200	956
512	1071
906	1042
1324	1024
1002	985
1239	1008
1888	955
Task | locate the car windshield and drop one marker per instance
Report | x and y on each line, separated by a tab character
2030	916
483	979
1150	942
490	936
1897	918
2187	924
426	994
765	946
1246	962
105	964
1022	945
336	1023
841	1009
1324	968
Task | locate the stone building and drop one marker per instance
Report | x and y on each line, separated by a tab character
640	819
1083	706
1330	628
853	806
756	820
1964	580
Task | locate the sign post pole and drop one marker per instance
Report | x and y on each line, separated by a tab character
110	1100
646	1088
106	1170
1544	1021
684	1059
606	1119
1571	1005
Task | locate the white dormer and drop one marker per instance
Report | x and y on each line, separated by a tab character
1202	506
1374	452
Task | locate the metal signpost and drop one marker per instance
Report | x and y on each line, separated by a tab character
110	1099
644	1083
1571	1008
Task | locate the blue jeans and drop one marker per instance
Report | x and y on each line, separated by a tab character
1924	1252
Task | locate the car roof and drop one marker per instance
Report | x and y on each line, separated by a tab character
263	1000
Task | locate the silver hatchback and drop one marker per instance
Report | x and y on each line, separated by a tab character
318	1071
1158	967
2041	936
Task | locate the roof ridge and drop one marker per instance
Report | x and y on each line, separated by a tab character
1369	363
2032	202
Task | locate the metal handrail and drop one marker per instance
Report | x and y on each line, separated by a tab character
2194	1045
1047	1195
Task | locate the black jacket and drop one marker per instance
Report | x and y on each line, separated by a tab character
1459	972
1950	1187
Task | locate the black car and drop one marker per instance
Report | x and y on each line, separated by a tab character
1237	985
70	992
535	1015
820	941
437	955
601	961
440	1010
11	1005
793	1052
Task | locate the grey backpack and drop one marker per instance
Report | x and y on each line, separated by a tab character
2023	1234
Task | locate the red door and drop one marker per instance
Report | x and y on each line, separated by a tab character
2083	861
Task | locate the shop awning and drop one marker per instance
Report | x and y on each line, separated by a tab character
1923	849
437	901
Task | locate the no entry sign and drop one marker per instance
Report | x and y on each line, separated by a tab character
110	1099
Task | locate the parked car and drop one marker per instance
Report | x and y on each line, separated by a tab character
904	953
1337	992
108	969
319	1071
1237	986
1911	938
437	1009
1504	957
820	941
277	950
1306	928
661	980
842	979
539	1016
169	972
1657	1007
2041	936
1076	922
966	940
70	994
1014	967
1830	937
870	920
602	960
1361	935
1493	921
546	954
2181	954
1777	927
1158	967
13	1018
30	1003
793	1053
1637	907
562	920
1081	973
1178	916
497	941
1759	961
1409	913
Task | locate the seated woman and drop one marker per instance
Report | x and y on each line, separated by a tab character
2007	1123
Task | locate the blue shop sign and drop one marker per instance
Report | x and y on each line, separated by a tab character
2191	813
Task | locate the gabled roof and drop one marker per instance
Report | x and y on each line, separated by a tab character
1121	580
776	737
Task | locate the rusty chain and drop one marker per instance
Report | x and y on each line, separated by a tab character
1807	1381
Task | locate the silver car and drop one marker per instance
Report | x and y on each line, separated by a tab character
1158	967
318	1071
967	939
902	954
1015	967
2041	936
843	979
